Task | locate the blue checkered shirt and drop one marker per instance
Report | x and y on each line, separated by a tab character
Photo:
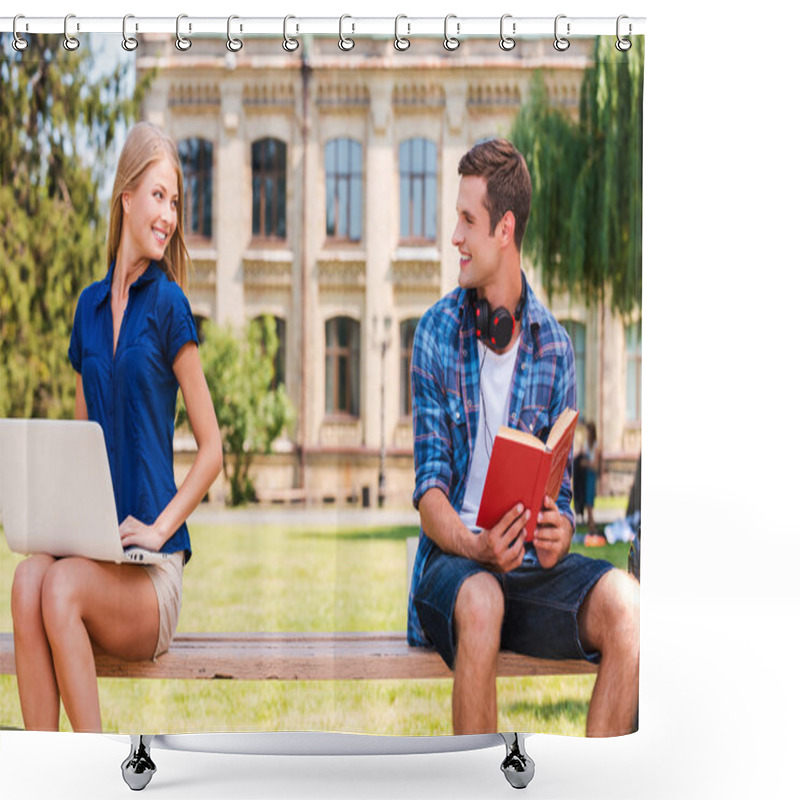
446	395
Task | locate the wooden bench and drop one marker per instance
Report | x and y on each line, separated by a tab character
300	656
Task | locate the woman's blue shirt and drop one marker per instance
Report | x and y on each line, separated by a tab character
132	393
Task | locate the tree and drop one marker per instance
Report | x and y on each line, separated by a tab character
59	116
586	211
251	415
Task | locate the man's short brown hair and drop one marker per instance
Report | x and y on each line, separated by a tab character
508	182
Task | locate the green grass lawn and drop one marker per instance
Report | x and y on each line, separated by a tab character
263	578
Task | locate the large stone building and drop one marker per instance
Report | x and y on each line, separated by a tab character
321	189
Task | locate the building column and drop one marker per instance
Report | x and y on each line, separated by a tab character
231	196
453	147
380	209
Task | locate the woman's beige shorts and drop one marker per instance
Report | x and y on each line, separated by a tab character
167	577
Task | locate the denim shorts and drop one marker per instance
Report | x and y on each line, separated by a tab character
541	605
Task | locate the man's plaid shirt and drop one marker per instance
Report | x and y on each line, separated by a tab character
446	395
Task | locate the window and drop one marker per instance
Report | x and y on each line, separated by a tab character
633	377
269	189
342	367
343	186
407	329
196	157
279	373
577	333
418	175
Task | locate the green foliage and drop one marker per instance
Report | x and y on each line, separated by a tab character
250	411
585	228
59	116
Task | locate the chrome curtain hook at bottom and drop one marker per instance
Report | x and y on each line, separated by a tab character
450	42
561	44
234	45
181	42
622	44
18	43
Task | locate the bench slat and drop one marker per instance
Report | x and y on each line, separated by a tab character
299	656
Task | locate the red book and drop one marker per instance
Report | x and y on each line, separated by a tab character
523	469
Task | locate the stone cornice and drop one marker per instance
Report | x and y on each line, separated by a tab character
203	274
342	272
412	274
261	272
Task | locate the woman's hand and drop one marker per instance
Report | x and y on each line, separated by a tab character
133	532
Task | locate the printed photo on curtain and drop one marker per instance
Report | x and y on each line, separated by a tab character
315	300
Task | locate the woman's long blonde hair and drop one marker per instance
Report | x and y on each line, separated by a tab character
145	145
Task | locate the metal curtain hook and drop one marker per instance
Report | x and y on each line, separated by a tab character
70	42
506	42
560	43
623	44
234	45
344	42
181	42
450	42
18	43
400	43
289	44
128	42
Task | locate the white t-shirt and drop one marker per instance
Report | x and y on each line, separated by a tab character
496	373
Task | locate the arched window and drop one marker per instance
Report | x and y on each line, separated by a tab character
418	177
633	377
269	188
197	162
343	188
577	333
342	366
279	374
407	329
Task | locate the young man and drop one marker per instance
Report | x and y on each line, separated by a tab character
476	591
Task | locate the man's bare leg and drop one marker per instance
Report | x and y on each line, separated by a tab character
609	623
478	622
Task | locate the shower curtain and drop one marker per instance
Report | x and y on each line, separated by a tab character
321	187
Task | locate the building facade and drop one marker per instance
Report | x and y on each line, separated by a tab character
321	189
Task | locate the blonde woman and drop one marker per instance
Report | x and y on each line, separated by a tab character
134	343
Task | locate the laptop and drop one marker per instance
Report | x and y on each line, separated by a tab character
56	495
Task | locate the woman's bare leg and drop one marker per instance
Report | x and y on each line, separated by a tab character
36	678
111	606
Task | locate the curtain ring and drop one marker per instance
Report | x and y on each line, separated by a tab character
181	42
289	44
560	44
622	44
450	42
344	42
506	42
19	44
70	42
400	43
234	45
129	43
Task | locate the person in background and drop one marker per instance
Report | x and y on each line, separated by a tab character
134	343
591	465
